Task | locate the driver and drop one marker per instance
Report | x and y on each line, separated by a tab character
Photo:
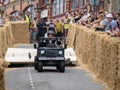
50	40
51	37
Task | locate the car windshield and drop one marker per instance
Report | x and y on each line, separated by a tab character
51	43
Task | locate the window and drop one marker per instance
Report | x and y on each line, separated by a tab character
58	7
74	4
80	3
45	2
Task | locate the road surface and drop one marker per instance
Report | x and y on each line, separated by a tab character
26	78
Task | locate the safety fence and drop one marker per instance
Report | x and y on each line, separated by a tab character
99	52
11	33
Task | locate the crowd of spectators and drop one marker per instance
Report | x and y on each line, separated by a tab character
99	21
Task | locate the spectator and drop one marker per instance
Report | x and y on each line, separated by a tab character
34	30
66	25
107	23
114	27
2	18
40	26
19	17
84	17
27	19
51	26
100	25
58	28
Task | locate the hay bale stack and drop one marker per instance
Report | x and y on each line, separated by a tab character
10	34
4	41
10	38
20	32
118	73
6	38
99	52
2	82
71	36
0	42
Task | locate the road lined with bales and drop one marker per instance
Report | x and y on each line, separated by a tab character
97	51
10	34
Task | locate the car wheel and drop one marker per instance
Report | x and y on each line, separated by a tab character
40	66
62	66
35	66
57	67
35	63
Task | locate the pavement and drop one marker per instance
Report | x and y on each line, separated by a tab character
26	78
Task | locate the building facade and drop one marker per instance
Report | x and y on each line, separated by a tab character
58	8
112	5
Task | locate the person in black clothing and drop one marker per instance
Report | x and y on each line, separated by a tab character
51	41
41	28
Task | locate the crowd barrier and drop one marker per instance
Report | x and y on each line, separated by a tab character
11	33
99	52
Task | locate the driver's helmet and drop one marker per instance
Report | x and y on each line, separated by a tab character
51	32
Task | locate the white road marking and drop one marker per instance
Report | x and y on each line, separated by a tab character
31	80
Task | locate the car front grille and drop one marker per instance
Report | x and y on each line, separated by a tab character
51	53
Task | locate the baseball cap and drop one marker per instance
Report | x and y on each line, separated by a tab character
109	16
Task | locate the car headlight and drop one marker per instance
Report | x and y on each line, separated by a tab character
60	52
42	51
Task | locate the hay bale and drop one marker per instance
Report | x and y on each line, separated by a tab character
20	32
100	53
0	42
10	38
71	36
2	81
4	41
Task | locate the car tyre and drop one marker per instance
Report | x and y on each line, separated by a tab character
40	66
62	66
35	63
58	67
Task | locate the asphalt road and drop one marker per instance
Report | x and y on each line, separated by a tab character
26	78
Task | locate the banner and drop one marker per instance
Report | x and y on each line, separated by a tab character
44	13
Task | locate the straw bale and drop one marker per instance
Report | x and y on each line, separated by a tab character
20	32
2	82
10	38
71	36
4	41
100	53
118	69
0	43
